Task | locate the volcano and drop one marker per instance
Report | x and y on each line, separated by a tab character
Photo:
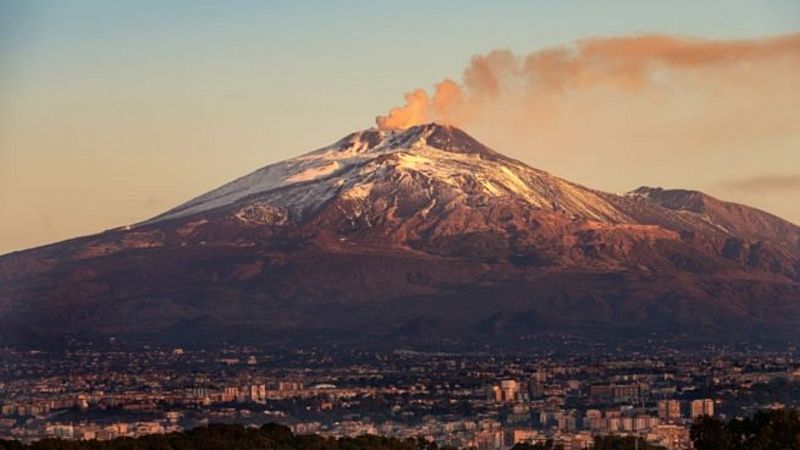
417	236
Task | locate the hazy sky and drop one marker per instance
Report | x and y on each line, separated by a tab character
113	111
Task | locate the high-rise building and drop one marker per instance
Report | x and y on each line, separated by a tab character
669	409
510	389
258	393
507	391
702	407
494	394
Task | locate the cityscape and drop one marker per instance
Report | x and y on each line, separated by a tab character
399	225
488	400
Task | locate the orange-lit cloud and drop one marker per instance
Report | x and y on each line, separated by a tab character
415	111
445	106
534	86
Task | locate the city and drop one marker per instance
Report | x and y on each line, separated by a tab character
399	225
481	399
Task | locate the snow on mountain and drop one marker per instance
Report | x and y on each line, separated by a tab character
452	163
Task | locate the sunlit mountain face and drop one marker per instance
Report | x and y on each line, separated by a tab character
420	235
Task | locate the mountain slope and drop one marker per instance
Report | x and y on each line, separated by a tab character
423	234
438	157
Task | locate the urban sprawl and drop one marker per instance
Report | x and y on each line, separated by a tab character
482	399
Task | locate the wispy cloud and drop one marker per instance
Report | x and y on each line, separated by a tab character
766	182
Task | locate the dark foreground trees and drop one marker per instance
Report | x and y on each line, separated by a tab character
545	446
766	430
623	443
231	437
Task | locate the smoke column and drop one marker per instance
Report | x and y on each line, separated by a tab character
617	113
539	83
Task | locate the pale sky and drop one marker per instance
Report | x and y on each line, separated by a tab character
112	112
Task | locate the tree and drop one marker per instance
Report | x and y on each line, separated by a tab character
766	430
710	433
225	437
549	445
623	443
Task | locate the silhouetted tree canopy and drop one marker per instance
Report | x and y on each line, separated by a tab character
766	430
226	437
623	443
544	446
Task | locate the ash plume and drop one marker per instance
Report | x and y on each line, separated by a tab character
543	85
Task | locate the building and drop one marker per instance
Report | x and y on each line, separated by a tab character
489	440
669	409
671	437
510	390
522	436
616	393
702	407
507	391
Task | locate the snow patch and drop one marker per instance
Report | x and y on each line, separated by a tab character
359	191
261	214
514	183
315	172
414	162
490	188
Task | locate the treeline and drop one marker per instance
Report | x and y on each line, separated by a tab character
278	437
600	443
766	430
231	437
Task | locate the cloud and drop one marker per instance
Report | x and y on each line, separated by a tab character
767	182
531	86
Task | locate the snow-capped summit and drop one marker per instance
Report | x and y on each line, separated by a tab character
441	162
